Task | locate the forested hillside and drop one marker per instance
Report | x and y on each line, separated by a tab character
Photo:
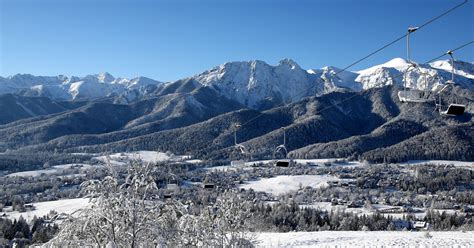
371	125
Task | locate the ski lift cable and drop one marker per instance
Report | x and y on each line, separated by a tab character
411	30
440	56
452	50
366	57
356	94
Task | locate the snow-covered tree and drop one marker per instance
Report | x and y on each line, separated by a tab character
130	214
120	214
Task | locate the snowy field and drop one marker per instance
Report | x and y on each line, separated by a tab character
145	156
461	164
322	161
316	162
123	158
366	239
53	170
326	206
66	206
223	168
421	213
333	161
116	159
284	184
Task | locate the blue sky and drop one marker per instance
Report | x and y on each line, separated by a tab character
169	40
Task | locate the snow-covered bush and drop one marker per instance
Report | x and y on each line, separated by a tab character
122	214
130	214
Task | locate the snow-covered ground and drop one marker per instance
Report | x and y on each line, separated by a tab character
343	162
116	159
228	168
316	162
284	184
419	214
333	161
122	158
67	206
53	170
145	156
221	168
326	206
366	239
193	161
461	164
34	173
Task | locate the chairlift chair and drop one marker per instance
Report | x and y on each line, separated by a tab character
453	109
241	149
172	183
208	185
415	95
284	162
408	94
172	186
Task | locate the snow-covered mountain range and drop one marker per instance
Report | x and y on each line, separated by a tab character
251	83
89	87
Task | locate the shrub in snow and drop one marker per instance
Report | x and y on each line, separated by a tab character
130	214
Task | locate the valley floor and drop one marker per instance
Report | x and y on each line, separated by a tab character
41	209
366	239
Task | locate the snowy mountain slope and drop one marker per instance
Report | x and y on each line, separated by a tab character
397	63
344	79
425	77
464	69
14	83
255	84
89	87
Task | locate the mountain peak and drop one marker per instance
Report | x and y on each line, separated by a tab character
396	62
20	75
104	77
290	63
331	68
251	83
